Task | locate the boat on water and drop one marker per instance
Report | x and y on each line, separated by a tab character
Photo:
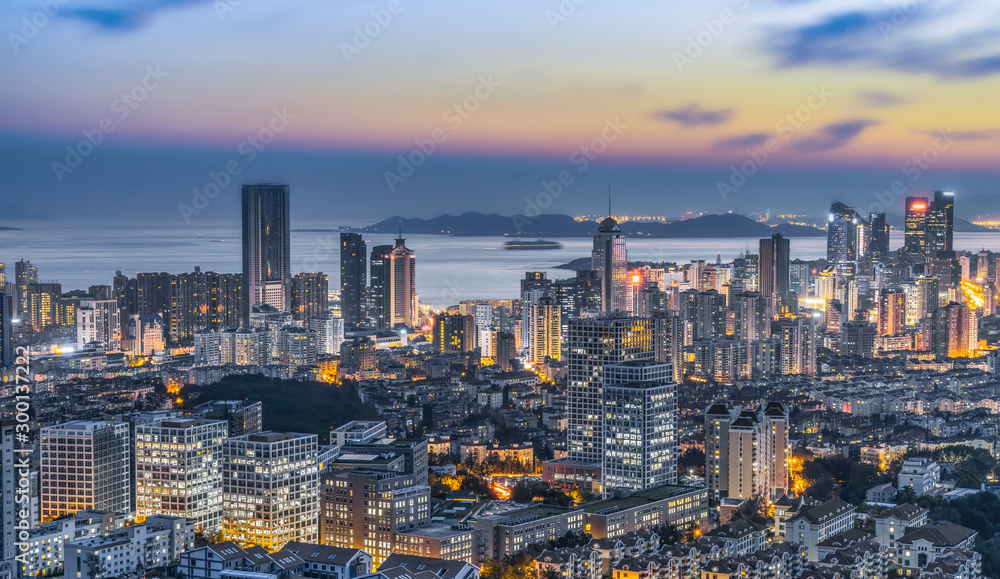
536	244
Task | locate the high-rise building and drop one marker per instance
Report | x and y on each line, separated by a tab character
546	334
9	480
796	344
7	356
506	350
353	277
379	292
842	243
750	320
402	285
955	331
145	335
270	483
706	312
25	275
940	223
309	295
915	226
891	312
858	339
99	321
592	344
640	426
101	477
329	333
878	237
798	274
775	257
236	346
266	247
747	451
43	306
454	333
609	260
243	416
178	469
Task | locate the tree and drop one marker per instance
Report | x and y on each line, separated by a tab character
669	534
96	568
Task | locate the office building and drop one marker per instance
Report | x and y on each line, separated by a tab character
841	238
878	237
454	333
640	426
365	509
358	432
858	339
775	257
353	278
266	247
609	259
99	321
402	286
941	224
178	469
592	344
546	331
98	478
915	226
271	489
378	289
747	451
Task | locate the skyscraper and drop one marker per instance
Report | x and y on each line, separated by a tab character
454	333
775	256
99	321
891	312
915	227
379	292
842	243
878	237
592	344
610	260
747	451
25	275
546	334
940	223
7	356
266	247
402	285
353	277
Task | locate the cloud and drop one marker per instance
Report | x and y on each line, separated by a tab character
742	141
892	39
693	116
878	98
126	15
982	135
834	136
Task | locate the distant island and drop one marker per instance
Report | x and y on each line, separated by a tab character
473	224
5	228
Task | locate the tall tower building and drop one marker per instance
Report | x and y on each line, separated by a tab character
640	426
915	227
592	344
534	287
99	321
102	478
940	223
7	356
878	237
454	333
309	295
841	238
178	469
270	490
610	260
353	277
379	292
750	316
402	285
796	345
775	256
746	451
266	247
25	275
891	312
546	334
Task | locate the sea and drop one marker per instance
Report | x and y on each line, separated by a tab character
449	268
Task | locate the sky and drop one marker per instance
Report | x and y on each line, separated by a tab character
156	110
